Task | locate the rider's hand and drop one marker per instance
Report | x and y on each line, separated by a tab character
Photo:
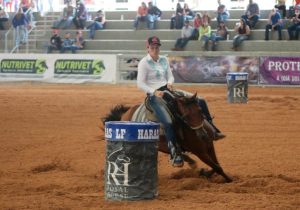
158	93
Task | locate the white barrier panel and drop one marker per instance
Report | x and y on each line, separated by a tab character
58	68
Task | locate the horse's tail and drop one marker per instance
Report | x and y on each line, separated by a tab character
115	113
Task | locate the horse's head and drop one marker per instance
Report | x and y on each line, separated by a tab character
190	111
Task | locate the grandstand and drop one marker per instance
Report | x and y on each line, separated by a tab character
119	37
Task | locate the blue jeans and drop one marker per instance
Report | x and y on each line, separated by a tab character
21	34
139	19
222	17
72	48
252	21
181	43
205	40
151	22
278	28
64	23
296	28
238	39
161	112
93	27
215	38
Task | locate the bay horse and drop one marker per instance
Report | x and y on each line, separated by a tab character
193	131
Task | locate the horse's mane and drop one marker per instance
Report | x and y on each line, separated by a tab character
115	113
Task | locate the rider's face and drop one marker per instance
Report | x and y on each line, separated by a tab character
154	51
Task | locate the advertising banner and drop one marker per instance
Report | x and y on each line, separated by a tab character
212	69
58	68
279	70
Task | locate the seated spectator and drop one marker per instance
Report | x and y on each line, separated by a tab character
68	44
196	23
177	18
186	34
3	18
20	23
275	23
188	14
206	18
81	16
252	14
55	42
79	41
243	33
97	24
141	16
66	20
221	34
153	15
205	34
222	13
294	29
281	7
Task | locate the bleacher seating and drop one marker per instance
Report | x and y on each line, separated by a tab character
120	37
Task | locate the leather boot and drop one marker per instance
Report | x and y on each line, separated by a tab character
175	153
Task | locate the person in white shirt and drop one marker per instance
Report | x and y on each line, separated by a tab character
186	34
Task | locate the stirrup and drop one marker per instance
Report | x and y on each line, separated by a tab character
219	136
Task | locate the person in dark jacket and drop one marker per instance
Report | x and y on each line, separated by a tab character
55	42
81	16
20	23
154	15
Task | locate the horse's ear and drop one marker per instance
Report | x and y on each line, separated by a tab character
194	96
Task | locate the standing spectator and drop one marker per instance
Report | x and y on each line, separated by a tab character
252	14
68	43
222	13
81	16
188	14
20	23
97	24
177	18
8	5
221	34
295	25
66	20
79	42
55	42
243	33
186	34
154	15
25	5
275	23
3	18
281	7
205	34
141	16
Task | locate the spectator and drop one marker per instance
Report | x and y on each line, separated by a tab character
188	14
55	42
66	20
275	23
252	14
281	7
243	33
25	5
206	18
222	13
154	15
97	24
81	16
8	5
177	18
68	43
79	41
205	34
3	18
186	34
141	16
295	25
221	34
20	23
196	23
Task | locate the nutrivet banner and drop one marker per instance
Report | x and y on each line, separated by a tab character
280	70
58	68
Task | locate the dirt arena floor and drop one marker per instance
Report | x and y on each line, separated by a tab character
52	154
